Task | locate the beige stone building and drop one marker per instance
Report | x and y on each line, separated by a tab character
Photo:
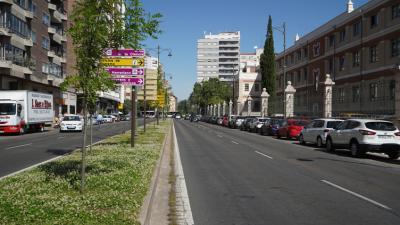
360	49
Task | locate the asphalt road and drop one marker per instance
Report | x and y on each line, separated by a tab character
19	152
237	178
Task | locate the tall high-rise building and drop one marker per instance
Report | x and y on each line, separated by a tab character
218	56
33	49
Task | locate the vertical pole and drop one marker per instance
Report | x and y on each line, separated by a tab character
158	76
83	163
233	85
133	116
284	69
144	102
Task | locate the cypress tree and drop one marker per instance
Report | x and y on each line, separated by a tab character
267	65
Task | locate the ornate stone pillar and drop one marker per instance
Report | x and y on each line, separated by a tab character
224	108
238	109
215	109
219	109
264	102
328	97
249	100
289	99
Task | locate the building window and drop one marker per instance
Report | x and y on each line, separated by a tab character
316	49
305	72
21	3
341	63
45	43
330	65
331	40
46	19
33	35
356	93
373	92
246	87
298	55
357	28
392	89
395	43
298	77
256	87
374	21
373	54
305	50
342	35
341	94
356	59
396	11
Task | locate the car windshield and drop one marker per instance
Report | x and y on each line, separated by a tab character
72	118
262	120
333	124
7	109
384	126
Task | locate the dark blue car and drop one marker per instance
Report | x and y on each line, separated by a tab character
272	127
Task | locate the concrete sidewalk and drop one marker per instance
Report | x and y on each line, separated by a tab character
155	207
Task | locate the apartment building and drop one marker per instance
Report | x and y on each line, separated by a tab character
33	48
360	49
218	56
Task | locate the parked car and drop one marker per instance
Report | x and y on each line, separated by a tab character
125	118
238	121
291	128
219	120
71	123
246	123
256	124
232	121
271	128
178	116
365	135
317	131
225	121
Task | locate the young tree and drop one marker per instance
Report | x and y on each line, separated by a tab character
267	64
95	26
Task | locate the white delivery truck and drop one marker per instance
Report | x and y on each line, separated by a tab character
23	110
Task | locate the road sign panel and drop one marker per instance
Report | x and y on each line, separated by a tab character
135	81
139	62
124	52
126	71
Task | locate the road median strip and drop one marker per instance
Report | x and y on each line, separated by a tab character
118	178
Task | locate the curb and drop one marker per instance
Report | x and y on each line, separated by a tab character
146	212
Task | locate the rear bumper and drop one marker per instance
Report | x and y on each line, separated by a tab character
381	148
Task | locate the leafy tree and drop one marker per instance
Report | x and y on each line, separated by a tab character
95	26
267	64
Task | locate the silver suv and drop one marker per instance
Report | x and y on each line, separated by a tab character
365	135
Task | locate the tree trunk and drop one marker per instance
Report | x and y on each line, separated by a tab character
83	161
91	133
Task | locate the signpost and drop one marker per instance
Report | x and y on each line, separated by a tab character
126	67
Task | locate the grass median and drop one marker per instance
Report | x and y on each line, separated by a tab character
117	181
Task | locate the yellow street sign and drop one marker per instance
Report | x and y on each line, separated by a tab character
139	62
120	106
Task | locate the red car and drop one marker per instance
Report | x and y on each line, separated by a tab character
225	121
291	128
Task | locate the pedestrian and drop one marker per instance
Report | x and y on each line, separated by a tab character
99	119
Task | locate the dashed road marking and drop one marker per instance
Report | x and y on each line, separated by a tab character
355	194
234	142
263	154
17	146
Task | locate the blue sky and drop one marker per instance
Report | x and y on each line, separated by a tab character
185	21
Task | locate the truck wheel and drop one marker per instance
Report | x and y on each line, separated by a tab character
393	155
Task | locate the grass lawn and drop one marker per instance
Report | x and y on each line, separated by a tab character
118	178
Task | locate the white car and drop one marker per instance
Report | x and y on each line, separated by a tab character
256	124
365	135
71	123
317	131
107	119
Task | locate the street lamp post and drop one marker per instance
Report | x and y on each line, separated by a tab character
159	50
282	29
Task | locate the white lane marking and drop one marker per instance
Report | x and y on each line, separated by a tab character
60	137
234	142
18	146
220	136
182	197
357	195
263	154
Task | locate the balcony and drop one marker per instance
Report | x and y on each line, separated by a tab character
4	30
4	63
52	7
51	30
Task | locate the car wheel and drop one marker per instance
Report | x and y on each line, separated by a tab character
260	131
278	135
288	136
319	142
301	140
329	145
355	149
393	155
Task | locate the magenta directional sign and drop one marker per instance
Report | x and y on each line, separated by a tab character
126	71
135	81
124	52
